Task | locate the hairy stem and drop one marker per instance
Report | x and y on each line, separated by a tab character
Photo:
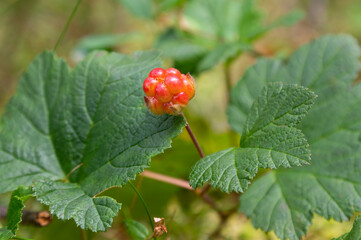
60	38
144	205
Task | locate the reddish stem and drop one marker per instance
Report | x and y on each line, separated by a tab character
75	168
167	179
190	132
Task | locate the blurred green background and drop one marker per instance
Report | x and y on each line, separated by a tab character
193	41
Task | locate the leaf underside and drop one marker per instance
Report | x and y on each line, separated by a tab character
285	200
93	116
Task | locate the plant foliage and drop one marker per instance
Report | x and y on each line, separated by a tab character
269	140
14	214
285	200
91	119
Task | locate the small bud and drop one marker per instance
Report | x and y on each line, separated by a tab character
159	227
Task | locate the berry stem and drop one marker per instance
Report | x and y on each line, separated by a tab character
200	191
67	25
195	142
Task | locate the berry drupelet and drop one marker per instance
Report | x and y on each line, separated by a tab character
168	91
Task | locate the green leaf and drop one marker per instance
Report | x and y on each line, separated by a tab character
166	5
16	205
6	234
270	140
175	46
139	8
289	19
354	234
93	117
185	53
223	19
325	65
68	200
231	20
136	229
103	41
14	214
221	54
285	200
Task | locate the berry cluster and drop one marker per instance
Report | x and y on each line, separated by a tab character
168	91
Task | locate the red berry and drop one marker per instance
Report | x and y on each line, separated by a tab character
154	106
189	85
172	71
162	93
180	98
149	86
168	108
191	80
168	91
158	73
174	83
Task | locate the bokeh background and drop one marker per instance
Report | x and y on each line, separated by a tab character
28	27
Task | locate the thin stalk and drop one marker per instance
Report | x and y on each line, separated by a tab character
201	192
195	142
167	179
228	80
83	234
135	195
144	205
60	38
227	76
73	170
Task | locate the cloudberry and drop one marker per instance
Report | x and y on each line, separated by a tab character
168	91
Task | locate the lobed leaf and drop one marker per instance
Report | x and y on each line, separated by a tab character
270	140
68	200
92	119
285	200
325	65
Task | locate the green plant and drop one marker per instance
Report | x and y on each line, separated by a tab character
69	135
